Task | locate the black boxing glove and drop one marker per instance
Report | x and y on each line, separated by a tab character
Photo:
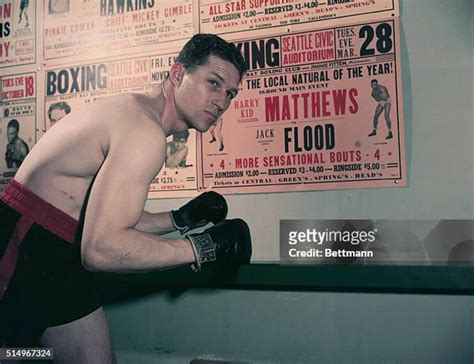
227	244
205	208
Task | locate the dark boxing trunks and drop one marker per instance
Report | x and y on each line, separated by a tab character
24	4
42	281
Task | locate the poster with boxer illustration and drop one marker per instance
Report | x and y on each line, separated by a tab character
17	32
74	87
17	122
319	109
234	17
100	28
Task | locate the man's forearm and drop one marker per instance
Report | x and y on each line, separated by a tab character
156	223
133	251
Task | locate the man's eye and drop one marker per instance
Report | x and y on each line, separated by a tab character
213	83
230	95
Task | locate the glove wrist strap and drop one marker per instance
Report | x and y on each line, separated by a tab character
204	249
196	266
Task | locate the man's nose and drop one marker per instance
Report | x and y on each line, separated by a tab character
219	106
220	103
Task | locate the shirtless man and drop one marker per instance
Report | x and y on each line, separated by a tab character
76	206
384	103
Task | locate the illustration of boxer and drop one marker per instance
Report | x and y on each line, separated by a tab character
384	103
177	150
220	136
17	149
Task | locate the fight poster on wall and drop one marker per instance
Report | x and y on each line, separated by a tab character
71	88
17	32
99	28
225	17
17	122
318	109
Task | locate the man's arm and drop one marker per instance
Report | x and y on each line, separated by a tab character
156	223
111	242
384	95
375	96
24	150
203	209
9	156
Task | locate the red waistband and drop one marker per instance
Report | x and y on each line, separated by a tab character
24	201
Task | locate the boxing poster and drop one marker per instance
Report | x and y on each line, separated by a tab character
17	32
74	87
100	28
17	122
226	17
318	110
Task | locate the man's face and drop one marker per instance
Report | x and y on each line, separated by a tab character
180	143
58	6
203	94
56	115
12	134
374	85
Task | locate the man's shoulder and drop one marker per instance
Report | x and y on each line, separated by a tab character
124	122
120	102
130	111
20	143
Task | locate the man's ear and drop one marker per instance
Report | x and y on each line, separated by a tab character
177	72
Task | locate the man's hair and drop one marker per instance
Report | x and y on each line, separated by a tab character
197	50
181	135
61	105
13	123
374	80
